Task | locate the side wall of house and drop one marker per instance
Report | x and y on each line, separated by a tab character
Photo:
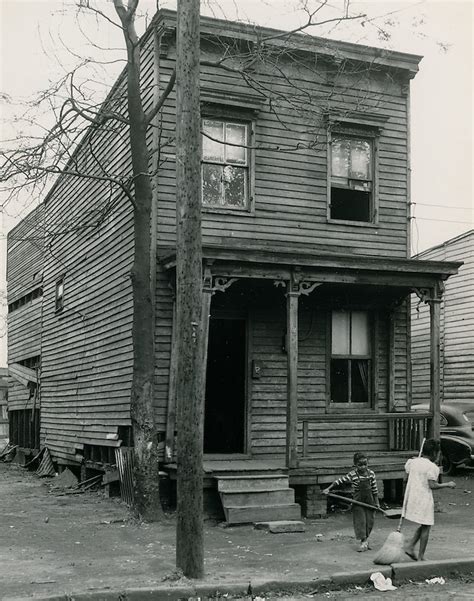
457	327
87	345
24	295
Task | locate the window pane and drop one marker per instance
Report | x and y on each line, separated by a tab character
235	186
236	133
212	193
359	381
339	380
360	333
360	159
211	150
340	150
340	333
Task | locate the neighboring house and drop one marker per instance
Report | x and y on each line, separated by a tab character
305	237
456	330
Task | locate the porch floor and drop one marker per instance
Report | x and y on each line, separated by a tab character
311	470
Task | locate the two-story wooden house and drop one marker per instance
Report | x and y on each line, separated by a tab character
305	225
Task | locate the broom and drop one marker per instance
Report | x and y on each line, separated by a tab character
392	550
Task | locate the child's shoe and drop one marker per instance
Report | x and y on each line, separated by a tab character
364	546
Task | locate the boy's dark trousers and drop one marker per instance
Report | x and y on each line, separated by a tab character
363	518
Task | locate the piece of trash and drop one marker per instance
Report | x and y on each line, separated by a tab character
467	492
46	519
319	538
381	583
436	580
451	503
359	588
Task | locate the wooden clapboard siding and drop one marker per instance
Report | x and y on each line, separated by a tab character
24	331
24	275
267	394
25	255
290	187
457	326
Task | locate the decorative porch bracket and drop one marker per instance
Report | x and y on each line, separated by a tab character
433	297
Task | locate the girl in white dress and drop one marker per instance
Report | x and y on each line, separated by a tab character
418	506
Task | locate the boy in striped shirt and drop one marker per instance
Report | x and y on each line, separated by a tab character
364	488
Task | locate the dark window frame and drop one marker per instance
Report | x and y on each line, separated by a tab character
240	116
366	134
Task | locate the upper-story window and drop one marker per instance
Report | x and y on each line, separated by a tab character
350	358
352	178
225	164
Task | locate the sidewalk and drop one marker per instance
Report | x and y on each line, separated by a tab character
54	545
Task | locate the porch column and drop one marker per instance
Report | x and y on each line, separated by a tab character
292	376
435	396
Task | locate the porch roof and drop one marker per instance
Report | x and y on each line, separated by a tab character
248	261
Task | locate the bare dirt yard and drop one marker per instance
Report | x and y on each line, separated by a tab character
57	543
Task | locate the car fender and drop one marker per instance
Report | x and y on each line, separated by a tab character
458	450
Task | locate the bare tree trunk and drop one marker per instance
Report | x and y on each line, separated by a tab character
146	475
191	368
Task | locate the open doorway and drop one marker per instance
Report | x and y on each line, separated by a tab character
224	413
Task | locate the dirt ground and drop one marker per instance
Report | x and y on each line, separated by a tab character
51	542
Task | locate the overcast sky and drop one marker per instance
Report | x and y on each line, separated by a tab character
34	35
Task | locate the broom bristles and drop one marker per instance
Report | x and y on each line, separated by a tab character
392	550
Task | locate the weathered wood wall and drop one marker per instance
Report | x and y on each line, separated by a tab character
457	327
25	277
267	395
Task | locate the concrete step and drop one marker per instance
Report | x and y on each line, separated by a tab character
259	513
281	526
244	497
255	483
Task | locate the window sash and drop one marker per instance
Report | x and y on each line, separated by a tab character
352	161
225	164
350	335
351	358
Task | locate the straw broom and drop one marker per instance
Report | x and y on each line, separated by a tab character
392	550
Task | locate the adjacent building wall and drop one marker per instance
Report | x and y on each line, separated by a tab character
457	327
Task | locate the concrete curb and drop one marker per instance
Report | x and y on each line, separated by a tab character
417	570
399	572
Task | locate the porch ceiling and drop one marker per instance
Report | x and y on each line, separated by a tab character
285	263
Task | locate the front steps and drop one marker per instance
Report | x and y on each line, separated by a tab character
257	498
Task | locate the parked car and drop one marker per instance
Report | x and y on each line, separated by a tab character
456	434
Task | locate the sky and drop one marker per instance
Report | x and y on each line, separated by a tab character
36	34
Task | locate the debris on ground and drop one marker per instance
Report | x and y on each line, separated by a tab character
436	580
381	583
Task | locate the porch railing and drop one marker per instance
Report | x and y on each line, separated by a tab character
407	430
403	432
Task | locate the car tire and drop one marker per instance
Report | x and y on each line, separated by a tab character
448	466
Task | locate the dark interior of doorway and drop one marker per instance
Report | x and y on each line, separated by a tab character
224	417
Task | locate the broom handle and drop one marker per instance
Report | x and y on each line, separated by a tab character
331	494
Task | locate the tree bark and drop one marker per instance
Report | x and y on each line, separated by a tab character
190	338
146	471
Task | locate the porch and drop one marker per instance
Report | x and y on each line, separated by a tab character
285	406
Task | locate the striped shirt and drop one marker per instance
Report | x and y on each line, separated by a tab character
354	478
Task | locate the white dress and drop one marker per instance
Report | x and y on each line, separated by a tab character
418	505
